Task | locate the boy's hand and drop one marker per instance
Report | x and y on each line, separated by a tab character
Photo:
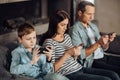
35	55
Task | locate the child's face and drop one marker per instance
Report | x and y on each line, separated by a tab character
29	40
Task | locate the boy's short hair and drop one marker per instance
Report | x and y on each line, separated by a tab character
25	29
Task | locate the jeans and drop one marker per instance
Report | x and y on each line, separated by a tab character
102	64
93	74
55	76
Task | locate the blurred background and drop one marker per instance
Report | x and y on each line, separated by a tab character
37	12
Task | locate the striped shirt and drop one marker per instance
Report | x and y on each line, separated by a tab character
70	65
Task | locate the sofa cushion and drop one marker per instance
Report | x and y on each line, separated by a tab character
3	73
3	52
11	46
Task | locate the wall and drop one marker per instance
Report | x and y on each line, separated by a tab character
12	36
54	5
30	10
108	15
17	9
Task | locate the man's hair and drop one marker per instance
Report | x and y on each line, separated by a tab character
83	4
25	29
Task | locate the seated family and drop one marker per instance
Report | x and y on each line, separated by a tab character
64	59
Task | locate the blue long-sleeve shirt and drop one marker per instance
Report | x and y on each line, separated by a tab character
21	65
79	35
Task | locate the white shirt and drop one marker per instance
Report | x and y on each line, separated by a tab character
97	53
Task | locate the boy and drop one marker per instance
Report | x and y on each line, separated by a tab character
26	59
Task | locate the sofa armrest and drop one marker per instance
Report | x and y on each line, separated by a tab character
5	64
112	54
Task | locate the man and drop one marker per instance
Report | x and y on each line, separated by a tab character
86	33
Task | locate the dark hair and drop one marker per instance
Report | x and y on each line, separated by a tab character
59	16
83	4
25	29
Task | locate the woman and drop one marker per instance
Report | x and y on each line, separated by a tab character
64	54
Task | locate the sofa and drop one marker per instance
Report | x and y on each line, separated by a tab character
113	52
113	57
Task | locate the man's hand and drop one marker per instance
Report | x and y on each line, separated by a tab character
103	40
106	39
112	37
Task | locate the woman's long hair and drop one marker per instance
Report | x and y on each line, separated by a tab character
59	16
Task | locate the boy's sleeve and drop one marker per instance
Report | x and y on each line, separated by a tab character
22	69
16	67
48	67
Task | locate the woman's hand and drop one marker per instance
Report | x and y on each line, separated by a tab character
74	51
48	53
77	52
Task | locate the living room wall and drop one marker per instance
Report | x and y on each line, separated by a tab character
108	15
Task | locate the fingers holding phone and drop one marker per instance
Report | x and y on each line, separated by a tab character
112	36
35	55
48	52
77	50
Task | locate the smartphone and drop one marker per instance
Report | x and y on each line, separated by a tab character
110	33
81	44
43	49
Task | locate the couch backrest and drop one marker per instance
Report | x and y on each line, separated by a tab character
3	52
11	46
